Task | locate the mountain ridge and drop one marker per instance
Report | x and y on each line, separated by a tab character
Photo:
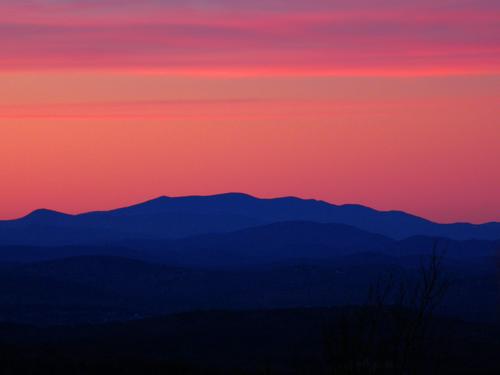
177	217
264	244
166	198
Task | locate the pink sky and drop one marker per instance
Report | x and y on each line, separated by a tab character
392	104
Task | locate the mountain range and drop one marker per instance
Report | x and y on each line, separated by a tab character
169	218
230	251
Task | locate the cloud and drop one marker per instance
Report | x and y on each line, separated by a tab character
240	38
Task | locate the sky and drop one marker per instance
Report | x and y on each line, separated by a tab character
393	104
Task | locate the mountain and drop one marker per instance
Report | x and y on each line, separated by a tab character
166	217
259	245
276	242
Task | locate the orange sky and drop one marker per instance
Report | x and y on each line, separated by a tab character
104	105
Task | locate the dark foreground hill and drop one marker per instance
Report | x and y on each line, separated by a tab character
186	216
293	341
104	288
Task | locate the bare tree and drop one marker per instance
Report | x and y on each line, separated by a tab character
387	334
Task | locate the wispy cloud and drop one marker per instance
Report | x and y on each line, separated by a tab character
235	38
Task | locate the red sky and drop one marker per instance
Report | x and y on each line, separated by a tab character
388	103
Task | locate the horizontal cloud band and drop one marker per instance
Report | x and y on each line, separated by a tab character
219	37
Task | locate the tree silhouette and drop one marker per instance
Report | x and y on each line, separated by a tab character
388	334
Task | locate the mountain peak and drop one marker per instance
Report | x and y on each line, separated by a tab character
230	195
44	213
233	195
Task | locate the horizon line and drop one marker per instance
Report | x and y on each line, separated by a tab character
41	209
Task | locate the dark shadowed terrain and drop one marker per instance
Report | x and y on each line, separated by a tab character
292	341
235	284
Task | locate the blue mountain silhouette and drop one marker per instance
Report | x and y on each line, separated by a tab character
167	217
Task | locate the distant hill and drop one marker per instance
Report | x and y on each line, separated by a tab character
269	243
259	245
166	217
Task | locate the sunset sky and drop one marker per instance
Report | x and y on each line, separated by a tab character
394	104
